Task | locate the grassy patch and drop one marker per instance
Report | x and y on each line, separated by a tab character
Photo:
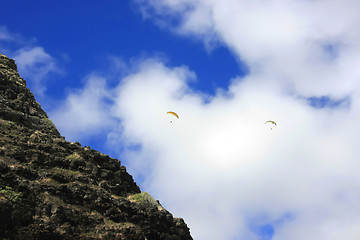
91	234
66	171
74	156
48	122
144	197
9	194
5	123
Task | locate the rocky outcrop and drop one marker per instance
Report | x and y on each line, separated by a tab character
54	189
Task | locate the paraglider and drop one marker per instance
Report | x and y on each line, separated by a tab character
272	122
173	113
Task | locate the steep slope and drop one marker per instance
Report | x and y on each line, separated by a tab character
54	189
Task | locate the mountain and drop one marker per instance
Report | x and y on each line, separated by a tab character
54	189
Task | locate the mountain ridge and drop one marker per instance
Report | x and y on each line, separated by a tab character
54	189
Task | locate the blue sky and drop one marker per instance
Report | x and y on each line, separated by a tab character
107	73
82	35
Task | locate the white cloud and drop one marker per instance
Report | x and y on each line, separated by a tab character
219	166
283	38
85	111
9	36
5	35
35	64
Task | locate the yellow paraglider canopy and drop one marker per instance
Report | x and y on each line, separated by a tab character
271	122
173	113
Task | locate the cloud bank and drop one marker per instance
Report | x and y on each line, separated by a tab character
219	166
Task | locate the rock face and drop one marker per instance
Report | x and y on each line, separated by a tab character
54	189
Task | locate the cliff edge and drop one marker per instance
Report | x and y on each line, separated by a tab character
54	189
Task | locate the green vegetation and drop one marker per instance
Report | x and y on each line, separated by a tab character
144	197
110	222
48	122
91	234
108	226
66	171
5	123
10	195
73	156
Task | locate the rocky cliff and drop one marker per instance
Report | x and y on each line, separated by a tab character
54	189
